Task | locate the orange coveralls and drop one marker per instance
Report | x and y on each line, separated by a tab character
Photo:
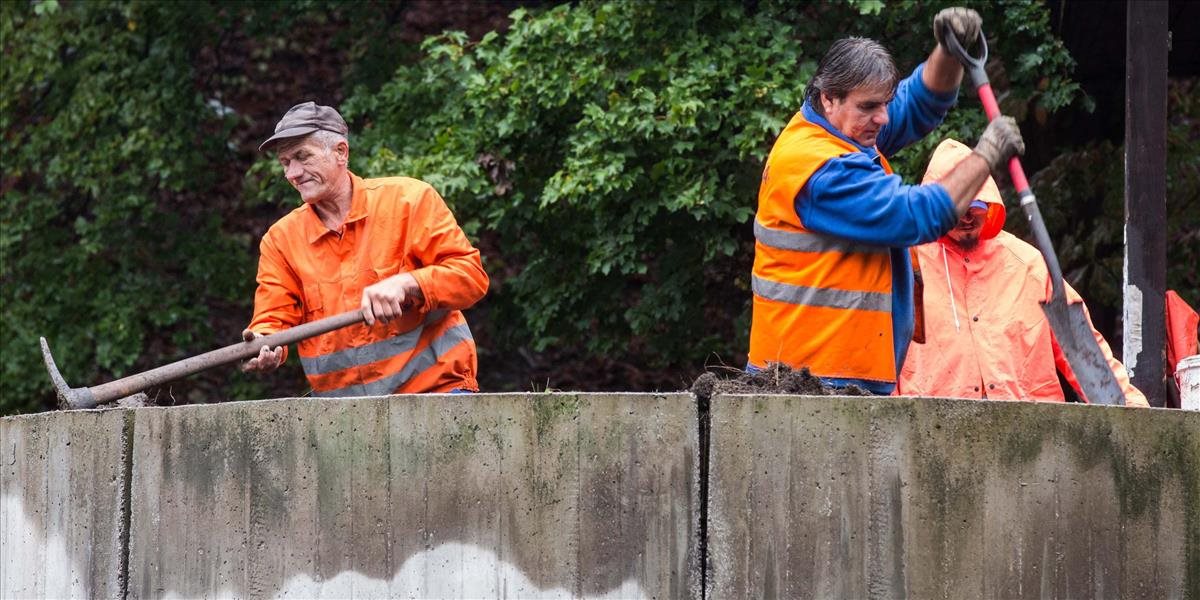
986	335
395	224
993	340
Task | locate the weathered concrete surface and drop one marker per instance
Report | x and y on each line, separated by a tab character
899	497
61	491
593	495
461	496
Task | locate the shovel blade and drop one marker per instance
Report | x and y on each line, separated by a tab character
1074	334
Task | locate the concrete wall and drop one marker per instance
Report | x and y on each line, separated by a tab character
901	497
62	487
517	496
599	495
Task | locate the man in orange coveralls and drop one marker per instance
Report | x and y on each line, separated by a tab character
389	247
985	333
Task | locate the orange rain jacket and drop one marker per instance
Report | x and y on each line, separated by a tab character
985	333
395	224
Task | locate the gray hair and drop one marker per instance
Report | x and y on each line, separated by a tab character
849	64
327	140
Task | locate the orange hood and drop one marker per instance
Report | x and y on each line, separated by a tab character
947	155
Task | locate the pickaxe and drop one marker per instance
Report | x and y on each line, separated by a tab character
75	398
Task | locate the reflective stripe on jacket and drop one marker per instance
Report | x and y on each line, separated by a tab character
819	301
395	224
986	334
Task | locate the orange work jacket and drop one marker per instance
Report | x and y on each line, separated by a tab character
307	271
819	302
986	335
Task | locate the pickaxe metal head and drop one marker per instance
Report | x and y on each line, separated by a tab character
68	398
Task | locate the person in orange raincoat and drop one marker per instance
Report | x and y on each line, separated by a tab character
985	333
389	247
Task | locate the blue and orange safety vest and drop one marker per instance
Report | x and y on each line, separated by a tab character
832	277
819	301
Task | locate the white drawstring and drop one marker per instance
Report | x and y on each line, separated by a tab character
949	286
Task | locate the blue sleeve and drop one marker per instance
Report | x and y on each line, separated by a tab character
914	111
853	198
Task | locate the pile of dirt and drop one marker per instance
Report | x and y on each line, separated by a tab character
775	379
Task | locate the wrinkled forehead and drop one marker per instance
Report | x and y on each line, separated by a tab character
292	147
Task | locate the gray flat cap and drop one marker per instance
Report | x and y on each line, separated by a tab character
303	119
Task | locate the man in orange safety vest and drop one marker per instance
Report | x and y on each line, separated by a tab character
832	278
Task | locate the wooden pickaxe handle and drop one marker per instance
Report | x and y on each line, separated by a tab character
73	398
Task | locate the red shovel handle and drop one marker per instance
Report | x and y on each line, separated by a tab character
992	109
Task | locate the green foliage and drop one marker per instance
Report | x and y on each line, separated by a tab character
1082	196
611	152
1183	189
606	156
1077	194
107	247
1028	65
867	7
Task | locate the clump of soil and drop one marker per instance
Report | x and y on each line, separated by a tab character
777	378
137	400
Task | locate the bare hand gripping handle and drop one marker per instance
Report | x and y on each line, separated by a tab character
73	398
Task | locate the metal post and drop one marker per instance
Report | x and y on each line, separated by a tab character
1145	271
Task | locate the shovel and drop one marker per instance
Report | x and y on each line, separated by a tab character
1069	323
74	398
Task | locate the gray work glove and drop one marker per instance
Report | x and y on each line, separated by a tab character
999	142
964	22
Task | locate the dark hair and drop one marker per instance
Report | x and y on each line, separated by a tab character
851	63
